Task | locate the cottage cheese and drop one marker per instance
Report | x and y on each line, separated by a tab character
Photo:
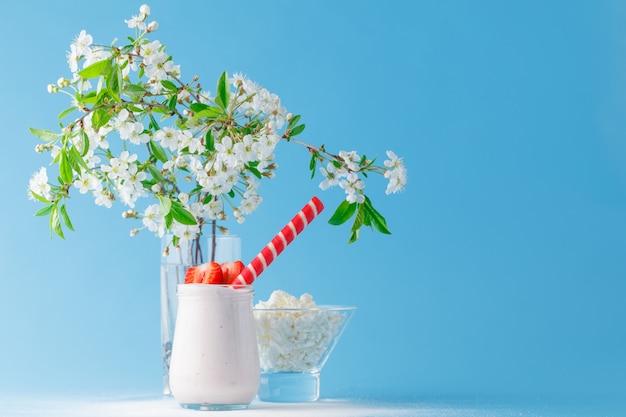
293	333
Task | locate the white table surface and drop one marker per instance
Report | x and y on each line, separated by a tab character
159	406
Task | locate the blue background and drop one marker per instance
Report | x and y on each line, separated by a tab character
505	272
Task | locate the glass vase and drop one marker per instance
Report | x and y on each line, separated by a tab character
174	264
215	361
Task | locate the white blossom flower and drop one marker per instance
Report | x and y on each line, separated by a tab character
151	53
82	42
136	22
331	176
135	177
250	204
265	145
225	152
169	137
185	233
117	170
393	161
244	150
397	180
102	196
73	58
353	186
39	185
136	134
153	220
126	158
96	55
214	208
351	159
86	182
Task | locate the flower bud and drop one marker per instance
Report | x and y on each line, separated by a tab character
63	82
134	232
152	26
52	88
289	116
129	214
144	10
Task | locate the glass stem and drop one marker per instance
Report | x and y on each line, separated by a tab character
213	239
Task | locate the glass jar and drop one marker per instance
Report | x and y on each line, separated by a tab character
174	264
215	359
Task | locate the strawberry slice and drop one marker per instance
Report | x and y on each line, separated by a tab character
208	273
230	271
190	275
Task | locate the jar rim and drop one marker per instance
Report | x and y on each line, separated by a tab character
217	290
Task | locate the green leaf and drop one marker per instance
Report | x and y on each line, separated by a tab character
169	85
196	107
153	123
114	83
38	197
66	112
207	199
210	141
165	205
313	164
84	142
99	118
255	171
354	236
377	220
223	91
296	130
147	184
359	219
210	112
65	217
169	219
181	215
171	104
161	110
344	211
156	174
77	160
96	69
45	135
293	122
65	168
157	151
134	91
55	222
44	211
89	98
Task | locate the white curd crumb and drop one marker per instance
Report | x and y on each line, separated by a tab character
281	299
293	341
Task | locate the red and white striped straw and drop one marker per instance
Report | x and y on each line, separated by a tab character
279	242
